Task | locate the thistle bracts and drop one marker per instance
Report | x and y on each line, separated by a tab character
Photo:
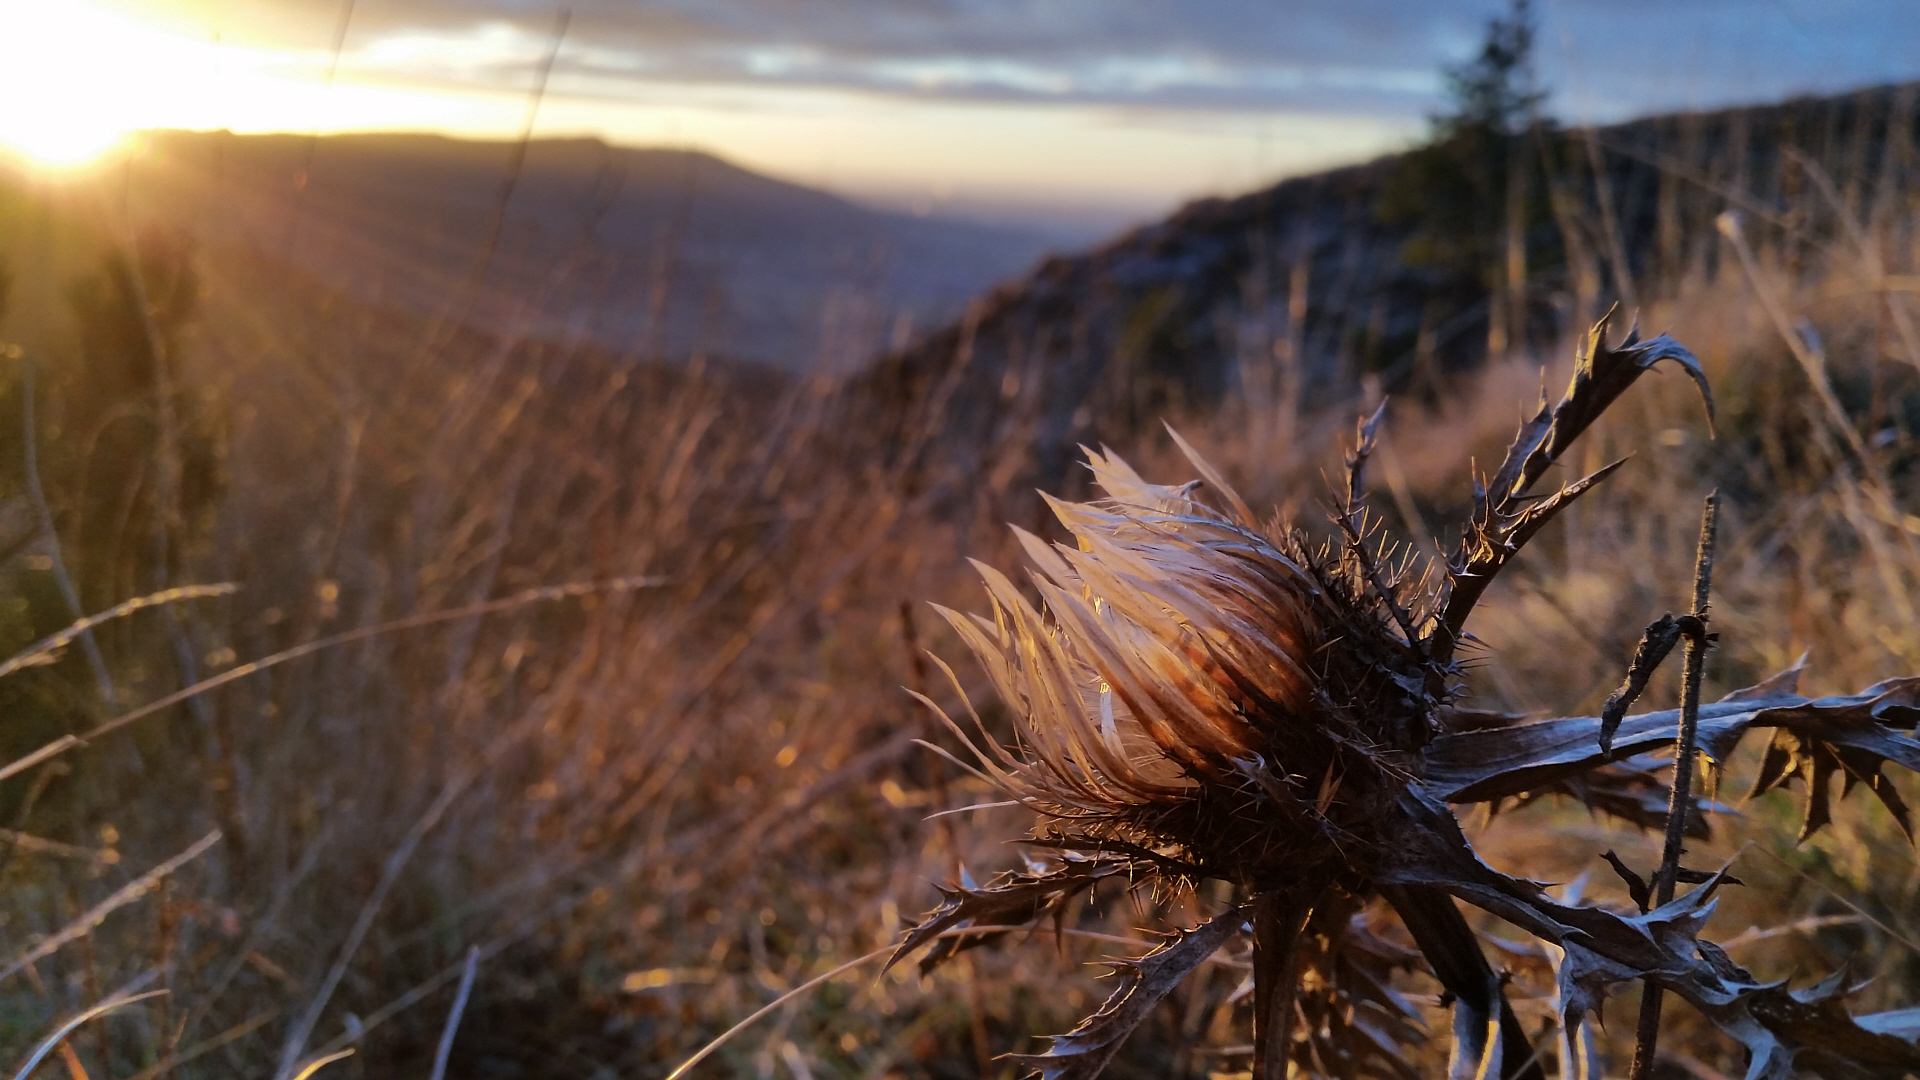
1197	690
1198	695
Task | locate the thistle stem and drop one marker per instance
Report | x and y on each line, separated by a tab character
1278	922
1686	751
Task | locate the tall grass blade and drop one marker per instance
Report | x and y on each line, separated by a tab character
47	649
411	622
52	1042
96	915
309	1068
445	1050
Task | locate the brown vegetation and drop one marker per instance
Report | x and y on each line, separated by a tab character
659	800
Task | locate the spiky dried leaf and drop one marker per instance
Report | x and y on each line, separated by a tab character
1011	899
1792	756
1477	766
1782	1029
1629	790
1640	889
1083	1052
1504	515
1353	1021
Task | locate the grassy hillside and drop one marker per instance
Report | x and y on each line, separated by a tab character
1296	296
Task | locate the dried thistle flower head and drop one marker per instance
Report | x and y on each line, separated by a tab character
1176	688
1200	696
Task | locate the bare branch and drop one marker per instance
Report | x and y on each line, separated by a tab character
1687	746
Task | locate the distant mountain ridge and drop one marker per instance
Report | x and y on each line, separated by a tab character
653	252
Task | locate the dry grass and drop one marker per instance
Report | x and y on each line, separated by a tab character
653	810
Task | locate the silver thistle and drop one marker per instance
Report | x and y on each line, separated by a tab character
1202	696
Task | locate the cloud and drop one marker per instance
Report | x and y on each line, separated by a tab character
1365	56
1134	104
1602	59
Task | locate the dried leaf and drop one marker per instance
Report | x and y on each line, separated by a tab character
1661	636
1504	516
1010	899
1491	544
1352	1021
1083	1052
1791	756
1485	1028
1814	737
1637	886
1632	791
1783	1030
1601	374
1900	1023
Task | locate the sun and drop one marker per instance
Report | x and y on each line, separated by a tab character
58	142
75	79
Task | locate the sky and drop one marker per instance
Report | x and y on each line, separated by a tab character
1093	112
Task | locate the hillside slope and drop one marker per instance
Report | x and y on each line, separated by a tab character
658	253
1289	297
